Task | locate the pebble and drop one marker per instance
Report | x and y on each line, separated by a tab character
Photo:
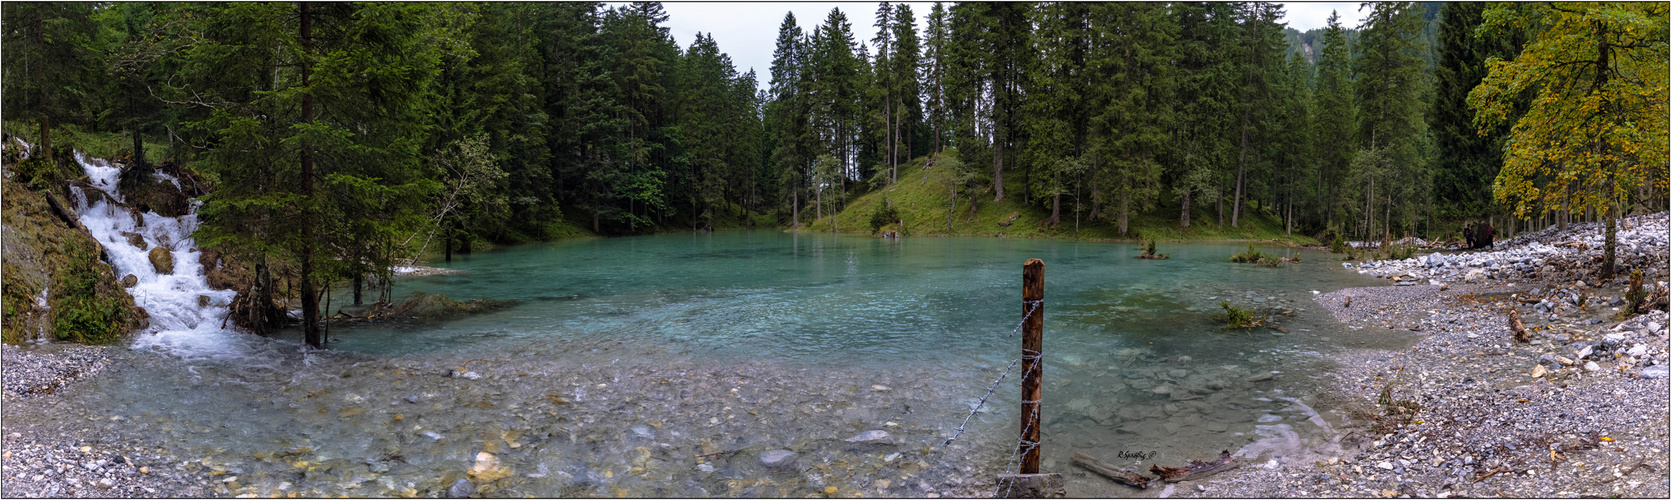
869	437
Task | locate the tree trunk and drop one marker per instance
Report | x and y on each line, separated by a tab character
358	282
1610	247
1125	212
310	300
1241	173
138	147
1183	215
997	166
1055	210
45	148
1219	200
953	212
261	297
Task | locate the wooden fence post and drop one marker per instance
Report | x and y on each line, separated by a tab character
1029	483
1032	362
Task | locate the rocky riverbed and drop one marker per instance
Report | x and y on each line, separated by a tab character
1579	410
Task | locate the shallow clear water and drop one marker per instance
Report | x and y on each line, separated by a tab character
664	365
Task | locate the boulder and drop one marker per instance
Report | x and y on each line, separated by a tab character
162	260
203	301
136	240
1656	371
129	281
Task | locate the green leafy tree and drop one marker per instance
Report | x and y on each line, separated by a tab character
1596	128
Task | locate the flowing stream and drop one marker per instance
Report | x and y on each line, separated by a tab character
670	365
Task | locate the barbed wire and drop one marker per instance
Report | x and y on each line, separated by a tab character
1022	445
1033	306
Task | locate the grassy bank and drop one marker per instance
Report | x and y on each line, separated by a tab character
923	199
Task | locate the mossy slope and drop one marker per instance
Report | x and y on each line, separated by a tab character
922	197
86	302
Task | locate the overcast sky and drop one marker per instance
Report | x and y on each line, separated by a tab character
748	30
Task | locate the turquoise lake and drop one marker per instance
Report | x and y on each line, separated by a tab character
667	365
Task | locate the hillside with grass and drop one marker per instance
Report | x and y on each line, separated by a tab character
923	194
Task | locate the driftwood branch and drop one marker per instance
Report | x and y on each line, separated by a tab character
1122	476
1196	468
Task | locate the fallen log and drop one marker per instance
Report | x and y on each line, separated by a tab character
1517	327
1122	476
1196	469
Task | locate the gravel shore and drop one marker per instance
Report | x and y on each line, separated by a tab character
1462	414
94	459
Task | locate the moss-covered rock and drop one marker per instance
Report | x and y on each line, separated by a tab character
84	300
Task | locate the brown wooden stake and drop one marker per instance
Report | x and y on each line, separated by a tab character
1032	361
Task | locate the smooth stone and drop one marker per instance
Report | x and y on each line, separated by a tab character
1637	351
1260	377
162	260
642	431
462	488
777	458
129	281
868	437
1653	372
1591	366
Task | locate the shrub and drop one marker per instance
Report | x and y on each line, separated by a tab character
1268	262
1236	317
79	314
1338	245
1249	257
1401	253
1635	294
883	215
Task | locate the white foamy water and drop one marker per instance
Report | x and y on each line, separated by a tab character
179	325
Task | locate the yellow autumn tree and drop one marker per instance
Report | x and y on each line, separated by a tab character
1596	128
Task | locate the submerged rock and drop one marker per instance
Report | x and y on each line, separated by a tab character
778	458
869	437
462	488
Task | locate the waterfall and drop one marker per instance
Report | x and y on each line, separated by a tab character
180	323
